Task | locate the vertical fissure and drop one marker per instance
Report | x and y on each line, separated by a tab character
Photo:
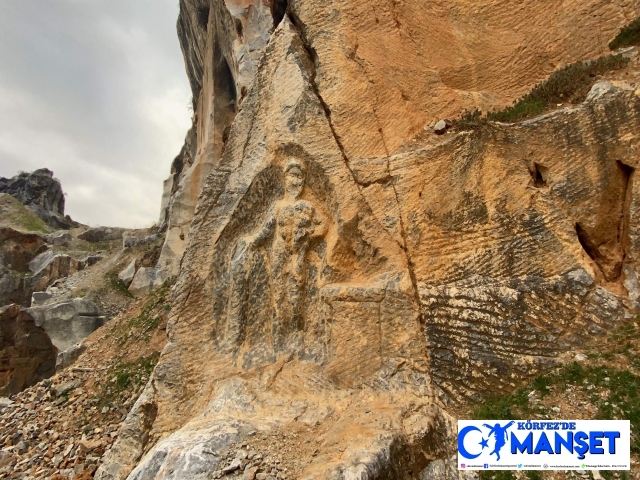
327	110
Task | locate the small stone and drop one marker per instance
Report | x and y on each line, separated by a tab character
556	409
241	454
440	128
250	473
580	357
22	447
233	466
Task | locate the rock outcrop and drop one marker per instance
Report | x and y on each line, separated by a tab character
40	192
17	249
26	352
48	267
68	323
337	274
101	234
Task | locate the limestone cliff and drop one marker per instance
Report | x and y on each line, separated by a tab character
337	276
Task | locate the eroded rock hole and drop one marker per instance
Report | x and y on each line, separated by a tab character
540	175
225	101
278	11
203	16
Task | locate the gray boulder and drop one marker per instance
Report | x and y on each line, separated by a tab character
101	234
129	241
69	356
40	298
59	238
145	280
68	323
128	273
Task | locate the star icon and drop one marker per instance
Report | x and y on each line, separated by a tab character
484	443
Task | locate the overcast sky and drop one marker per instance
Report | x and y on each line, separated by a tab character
96	91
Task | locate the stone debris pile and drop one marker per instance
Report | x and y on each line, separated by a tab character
61	427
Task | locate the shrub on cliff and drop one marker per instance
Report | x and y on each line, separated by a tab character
628	36
569	84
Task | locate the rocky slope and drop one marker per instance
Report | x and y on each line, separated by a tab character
343	285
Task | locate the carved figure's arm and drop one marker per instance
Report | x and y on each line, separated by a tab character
321	224
265	230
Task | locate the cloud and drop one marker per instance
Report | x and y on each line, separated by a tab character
96	91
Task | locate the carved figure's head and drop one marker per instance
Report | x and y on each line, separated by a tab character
294	173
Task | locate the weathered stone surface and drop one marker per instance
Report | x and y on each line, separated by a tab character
101	234
223	43
26	352
337	276
145	280
40	298
69	356
68	323
132	241
41	193
17	249
14	288
59	238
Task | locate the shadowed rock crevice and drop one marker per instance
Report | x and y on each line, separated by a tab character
299	27
593	250
225	100
539	174
628	174
278	11
203	16
606	250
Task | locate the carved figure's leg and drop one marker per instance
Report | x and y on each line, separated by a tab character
238	295
280	260
297	286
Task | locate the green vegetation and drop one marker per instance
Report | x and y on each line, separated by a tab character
123	376
154	311
613	390
16	215
118	284
628	36
570	84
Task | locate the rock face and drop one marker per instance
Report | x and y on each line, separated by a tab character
17	250
41	193
48	267
26	352
68	323
337	276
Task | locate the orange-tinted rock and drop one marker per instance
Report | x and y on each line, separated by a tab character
26	352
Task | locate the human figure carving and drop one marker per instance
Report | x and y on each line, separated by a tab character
294	223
